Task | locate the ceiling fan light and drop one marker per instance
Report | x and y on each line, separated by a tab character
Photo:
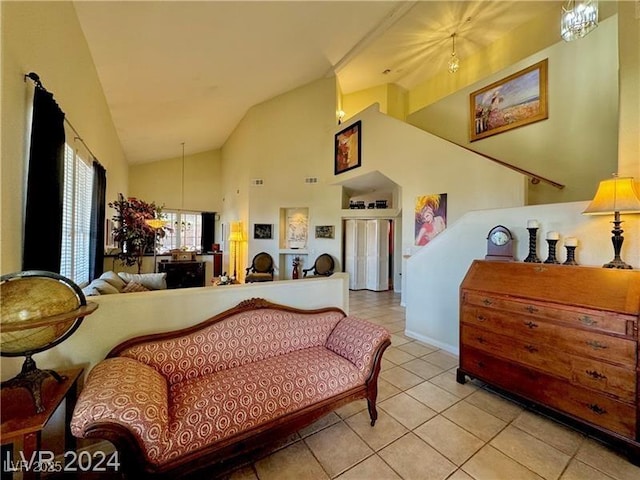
579	17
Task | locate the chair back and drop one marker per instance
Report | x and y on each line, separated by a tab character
324	265
262	263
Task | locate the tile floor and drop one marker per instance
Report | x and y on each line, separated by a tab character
432	428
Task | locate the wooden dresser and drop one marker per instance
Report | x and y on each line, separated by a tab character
561	338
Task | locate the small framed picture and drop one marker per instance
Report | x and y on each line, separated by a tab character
347	148
262	231
325	231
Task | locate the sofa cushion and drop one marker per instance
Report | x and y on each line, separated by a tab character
103	287
153	281
132	287
113	279
240	339
218	406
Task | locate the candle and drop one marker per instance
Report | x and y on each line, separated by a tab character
571	242
532	224
553	236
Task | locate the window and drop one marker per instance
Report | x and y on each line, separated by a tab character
76	217
183	230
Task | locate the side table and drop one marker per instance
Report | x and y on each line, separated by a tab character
22	426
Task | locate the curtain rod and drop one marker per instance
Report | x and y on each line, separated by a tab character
35	78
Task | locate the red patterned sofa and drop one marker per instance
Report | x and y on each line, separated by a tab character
175	402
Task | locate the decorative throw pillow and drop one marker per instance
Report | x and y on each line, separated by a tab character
134	287
113	279
153	281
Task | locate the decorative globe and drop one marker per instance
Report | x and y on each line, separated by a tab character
39	309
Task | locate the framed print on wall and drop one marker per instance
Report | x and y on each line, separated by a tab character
514	101
347	148
262	231
431	217
325	231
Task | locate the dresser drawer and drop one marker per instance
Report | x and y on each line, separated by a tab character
593	344
574	317
600	376
578	402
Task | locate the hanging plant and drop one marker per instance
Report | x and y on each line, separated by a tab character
132	233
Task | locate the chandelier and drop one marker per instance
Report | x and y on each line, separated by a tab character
454	61
579	17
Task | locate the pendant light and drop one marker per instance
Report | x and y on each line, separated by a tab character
454	61
579	17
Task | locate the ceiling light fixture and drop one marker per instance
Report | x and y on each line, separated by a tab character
454	61
579	17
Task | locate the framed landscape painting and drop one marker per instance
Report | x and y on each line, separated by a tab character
347	148
514	101
325	231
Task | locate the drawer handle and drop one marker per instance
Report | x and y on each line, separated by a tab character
587	320
596	345
481	318
531	309
594	407
481	364
596	375
530	348
531	324
480	339
487	301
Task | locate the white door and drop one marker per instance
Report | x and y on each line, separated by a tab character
355	258
377	255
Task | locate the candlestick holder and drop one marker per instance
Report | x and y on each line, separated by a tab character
552	251
571	256
533	256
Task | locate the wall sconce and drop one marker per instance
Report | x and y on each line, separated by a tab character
616	195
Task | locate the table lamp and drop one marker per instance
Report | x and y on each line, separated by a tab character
616	195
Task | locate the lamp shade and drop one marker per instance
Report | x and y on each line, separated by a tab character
236	234
615	195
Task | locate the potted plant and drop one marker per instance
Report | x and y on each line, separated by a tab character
132	232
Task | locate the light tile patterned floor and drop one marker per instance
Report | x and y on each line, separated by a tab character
432	428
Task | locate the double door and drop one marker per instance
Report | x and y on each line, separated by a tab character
367	258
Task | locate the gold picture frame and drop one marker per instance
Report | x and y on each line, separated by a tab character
517	100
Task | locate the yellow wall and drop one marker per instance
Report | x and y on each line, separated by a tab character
46	38
577	145
391	98
161	182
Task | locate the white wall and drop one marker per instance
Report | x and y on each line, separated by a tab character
46	38
578	144
423	164
282	141
434	274
126	315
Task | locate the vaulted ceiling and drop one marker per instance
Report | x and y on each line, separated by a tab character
181	71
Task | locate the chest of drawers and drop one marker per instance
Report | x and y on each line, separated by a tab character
561	338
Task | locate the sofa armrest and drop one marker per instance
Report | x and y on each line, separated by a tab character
128	400
358	341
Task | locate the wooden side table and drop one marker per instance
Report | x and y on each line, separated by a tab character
22	426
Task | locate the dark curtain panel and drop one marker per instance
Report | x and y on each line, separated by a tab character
45	186
96	241
208	230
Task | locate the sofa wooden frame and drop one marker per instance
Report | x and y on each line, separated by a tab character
220	456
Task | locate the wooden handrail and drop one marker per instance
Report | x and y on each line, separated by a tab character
535	178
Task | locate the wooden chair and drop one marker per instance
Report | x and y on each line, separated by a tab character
261	269
323	266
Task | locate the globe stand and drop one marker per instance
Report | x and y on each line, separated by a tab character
31	378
